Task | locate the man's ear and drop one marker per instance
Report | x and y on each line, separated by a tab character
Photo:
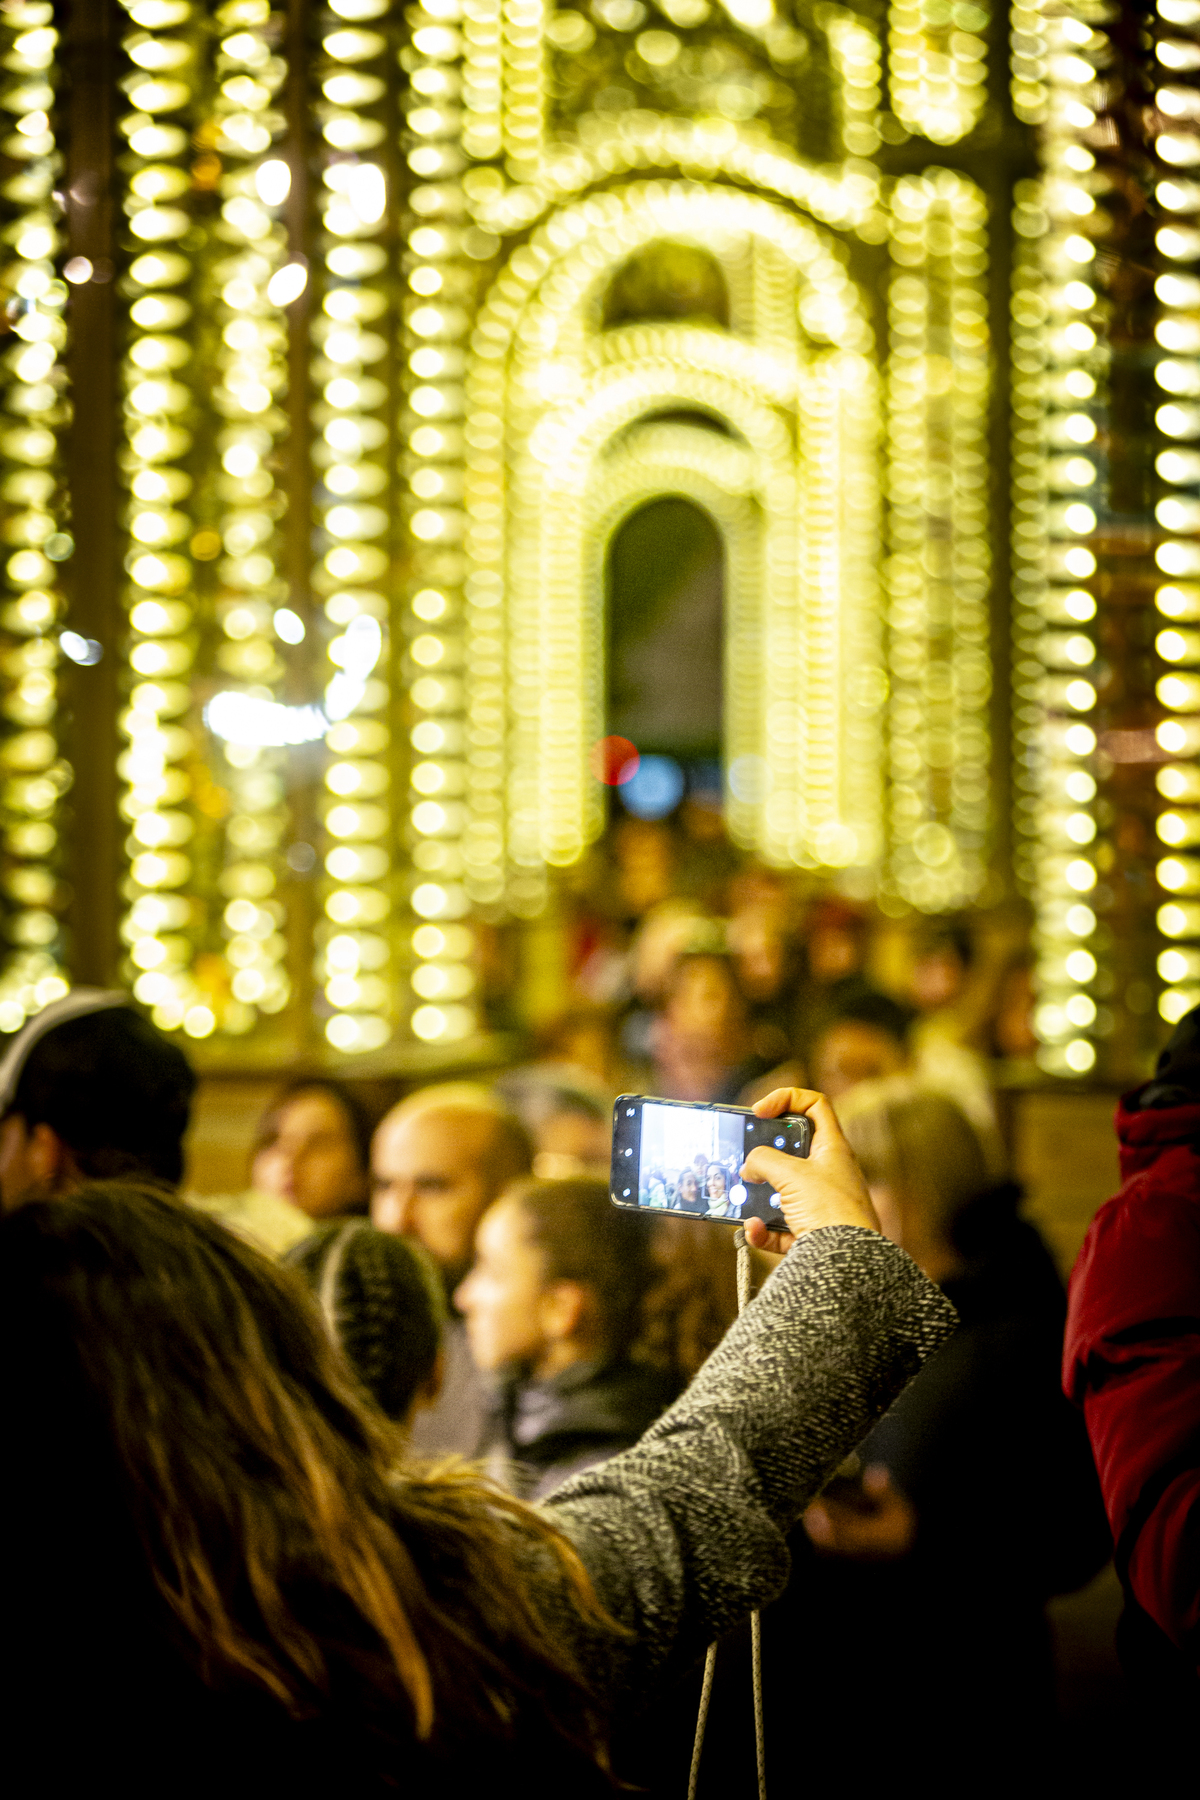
51	1162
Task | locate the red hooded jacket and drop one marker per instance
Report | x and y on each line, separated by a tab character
1131	1360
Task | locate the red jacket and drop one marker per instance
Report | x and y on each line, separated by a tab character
1131	1360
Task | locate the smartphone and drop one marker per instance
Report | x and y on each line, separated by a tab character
678	1156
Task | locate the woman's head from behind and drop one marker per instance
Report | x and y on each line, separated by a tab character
205	1406
923	1162
314	1149
559	1278
384	1305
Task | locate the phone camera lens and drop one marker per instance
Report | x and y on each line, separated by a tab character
780	1142
629	1153
629	1112
628	1191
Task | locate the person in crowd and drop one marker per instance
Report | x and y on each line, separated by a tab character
256	1595
689	1196
314	1149
1132	1363
716	1190
90	1089
866	1040
836	942
952	990
701	1037
933	1556
553	1306
585	1038
768	959
567	1113
941	967
439	1160
384	1307
656	1191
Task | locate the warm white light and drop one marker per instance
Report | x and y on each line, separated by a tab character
288	283
273	181
366	191
288	625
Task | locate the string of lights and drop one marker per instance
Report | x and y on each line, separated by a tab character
35	778
351	416
160	925
1177	600
938	572
1059	359
252	282
455	87
938	67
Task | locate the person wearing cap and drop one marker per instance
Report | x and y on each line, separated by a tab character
89	1090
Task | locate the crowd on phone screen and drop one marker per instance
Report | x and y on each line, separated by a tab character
480	1297
702	1188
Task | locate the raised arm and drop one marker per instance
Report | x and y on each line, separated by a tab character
685	1534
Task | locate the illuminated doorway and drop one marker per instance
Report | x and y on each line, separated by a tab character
665	602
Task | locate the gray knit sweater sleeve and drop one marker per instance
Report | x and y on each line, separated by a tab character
684	1534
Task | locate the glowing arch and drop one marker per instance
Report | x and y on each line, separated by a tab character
798	506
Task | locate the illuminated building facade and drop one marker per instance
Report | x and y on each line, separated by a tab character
343	341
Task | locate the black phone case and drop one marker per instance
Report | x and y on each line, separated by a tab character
760	1202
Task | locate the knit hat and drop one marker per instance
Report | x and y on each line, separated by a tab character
383	1304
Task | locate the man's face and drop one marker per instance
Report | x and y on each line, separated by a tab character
433	1177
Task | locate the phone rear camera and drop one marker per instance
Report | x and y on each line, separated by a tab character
780	1142
629	1153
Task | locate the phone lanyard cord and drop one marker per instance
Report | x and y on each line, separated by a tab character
710	1661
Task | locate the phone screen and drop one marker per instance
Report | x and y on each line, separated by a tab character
672	1156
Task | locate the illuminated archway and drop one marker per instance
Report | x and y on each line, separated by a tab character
581	436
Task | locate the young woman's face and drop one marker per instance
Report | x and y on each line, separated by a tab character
504	1297
716	1183
313	1158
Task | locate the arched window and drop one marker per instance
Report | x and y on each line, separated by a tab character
666	280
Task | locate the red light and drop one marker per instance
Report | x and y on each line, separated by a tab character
614	760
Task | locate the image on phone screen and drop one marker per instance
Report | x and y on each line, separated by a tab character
669	1156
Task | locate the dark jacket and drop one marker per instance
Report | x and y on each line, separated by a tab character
1132	1363
545	1431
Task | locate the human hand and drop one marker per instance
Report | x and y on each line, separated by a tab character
824	1188
877	1524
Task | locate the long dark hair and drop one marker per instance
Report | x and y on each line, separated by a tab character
263	1490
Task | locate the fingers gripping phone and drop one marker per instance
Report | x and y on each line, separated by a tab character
677	1156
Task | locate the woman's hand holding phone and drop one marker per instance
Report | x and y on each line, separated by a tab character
824	1188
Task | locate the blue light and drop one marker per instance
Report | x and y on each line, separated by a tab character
655	790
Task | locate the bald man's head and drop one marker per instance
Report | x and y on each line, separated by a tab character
438	1161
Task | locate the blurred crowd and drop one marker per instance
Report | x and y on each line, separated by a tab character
460	1250
694	973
